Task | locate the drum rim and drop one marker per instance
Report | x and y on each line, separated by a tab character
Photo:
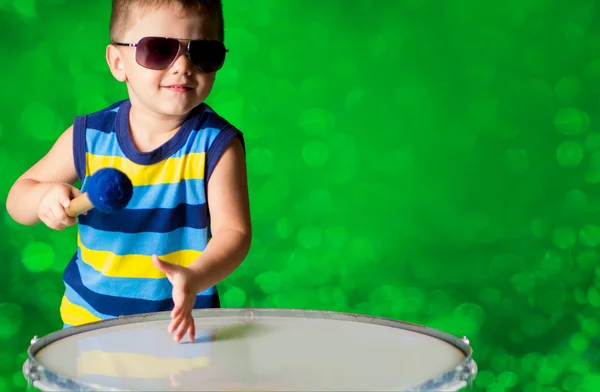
464	373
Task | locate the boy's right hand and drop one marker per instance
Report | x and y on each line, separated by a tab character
53	203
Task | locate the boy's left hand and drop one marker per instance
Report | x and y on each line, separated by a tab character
184	283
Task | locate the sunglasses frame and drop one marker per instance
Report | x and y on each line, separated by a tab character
186	47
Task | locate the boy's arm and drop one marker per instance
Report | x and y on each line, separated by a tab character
56	167
228	203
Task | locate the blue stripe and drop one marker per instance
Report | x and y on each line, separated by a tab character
77	300
153	289
156	220
116	306
143	243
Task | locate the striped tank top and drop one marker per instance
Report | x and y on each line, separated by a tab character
111	273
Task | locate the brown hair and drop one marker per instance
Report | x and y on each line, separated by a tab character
123	10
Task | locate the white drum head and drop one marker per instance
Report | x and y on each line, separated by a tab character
267	349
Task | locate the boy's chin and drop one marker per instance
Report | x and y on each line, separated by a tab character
166	105
175	109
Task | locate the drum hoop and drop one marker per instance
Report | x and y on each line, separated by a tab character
461	375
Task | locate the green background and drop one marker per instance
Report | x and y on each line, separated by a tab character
432	161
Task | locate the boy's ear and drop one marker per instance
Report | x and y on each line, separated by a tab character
115	63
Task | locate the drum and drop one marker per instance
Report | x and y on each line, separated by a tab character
251	349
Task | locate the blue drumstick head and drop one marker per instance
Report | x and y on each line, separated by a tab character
109	190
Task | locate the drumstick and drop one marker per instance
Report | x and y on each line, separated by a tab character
109	190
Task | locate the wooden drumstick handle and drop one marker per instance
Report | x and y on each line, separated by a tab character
79	205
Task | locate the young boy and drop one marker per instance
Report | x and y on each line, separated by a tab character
186	163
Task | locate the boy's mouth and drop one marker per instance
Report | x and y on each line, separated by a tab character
179	88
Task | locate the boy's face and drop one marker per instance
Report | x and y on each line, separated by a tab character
152	90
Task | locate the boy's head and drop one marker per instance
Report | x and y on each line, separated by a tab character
166	77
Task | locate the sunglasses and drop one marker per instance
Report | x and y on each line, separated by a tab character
160	52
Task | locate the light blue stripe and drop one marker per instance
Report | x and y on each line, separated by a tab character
191	192
77	300
106	144
102	143
149	289
198	141
139	288
146	244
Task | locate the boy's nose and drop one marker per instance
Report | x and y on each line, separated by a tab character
182	63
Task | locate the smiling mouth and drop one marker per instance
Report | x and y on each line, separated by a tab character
178	88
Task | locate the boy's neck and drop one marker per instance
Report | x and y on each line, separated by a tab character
149	131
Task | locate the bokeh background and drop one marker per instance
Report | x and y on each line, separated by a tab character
432	161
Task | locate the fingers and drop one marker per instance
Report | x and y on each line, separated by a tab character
51	221
184	298
192	329
179	314
176	322
58	210
183	321
64	198
176	312
180	330
187	325
168	268
53	205
75	192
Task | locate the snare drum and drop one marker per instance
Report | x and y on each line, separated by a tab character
251	349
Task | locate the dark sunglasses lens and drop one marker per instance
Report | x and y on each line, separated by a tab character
207	56
156	53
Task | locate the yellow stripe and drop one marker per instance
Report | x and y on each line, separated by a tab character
170	170
74	314
130	365
132	266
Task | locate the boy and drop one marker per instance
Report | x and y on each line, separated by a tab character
186	163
